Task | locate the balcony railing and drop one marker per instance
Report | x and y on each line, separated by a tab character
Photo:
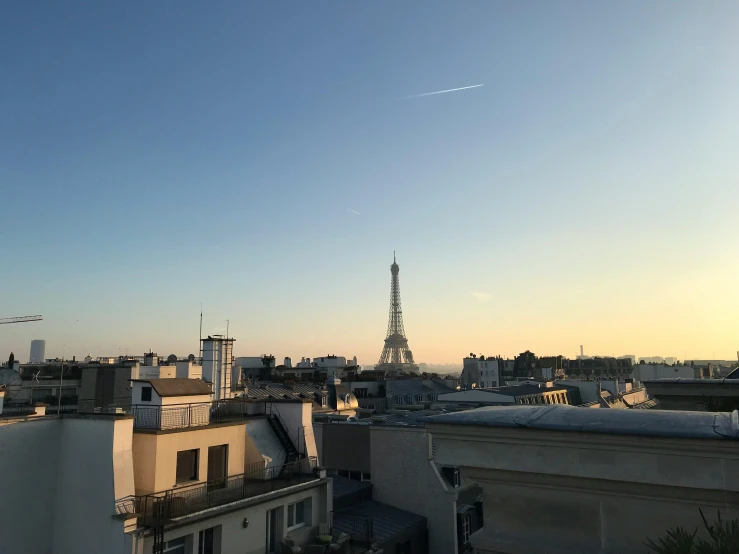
178	416
160	507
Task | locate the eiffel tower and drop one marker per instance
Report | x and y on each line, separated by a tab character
396	356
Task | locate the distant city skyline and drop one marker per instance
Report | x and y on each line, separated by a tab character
268	162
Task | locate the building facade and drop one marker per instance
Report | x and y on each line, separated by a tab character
561	479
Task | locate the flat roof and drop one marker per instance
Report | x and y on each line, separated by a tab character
387	521
344	486
560	417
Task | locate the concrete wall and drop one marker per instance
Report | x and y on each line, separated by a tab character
155	454
563	492
60	480
252	539
28	453
298	417
94	468
403	476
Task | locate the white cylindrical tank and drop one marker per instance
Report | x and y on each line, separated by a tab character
288	362
38	352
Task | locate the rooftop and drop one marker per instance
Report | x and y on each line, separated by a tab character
178	386
344	486
559	417
387	521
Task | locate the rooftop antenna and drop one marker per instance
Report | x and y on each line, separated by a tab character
201	331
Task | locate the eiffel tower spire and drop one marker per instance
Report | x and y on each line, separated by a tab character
396	356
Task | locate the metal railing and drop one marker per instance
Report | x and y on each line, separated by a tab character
178	416
189	499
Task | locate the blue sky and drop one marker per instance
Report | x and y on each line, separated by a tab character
155	155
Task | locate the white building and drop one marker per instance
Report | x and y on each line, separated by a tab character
648	372
480	373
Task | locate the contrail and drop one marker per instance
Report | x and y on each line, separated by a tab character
439	92
352	211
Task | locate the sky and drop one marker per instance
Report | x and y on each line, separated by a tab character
265	159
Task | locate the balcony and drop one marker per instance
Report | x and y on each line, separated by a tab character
180	416
159	508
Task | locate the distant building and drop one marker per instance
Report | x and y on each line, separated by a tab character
647	372
38	352
480	373
415	392
525	393
652	360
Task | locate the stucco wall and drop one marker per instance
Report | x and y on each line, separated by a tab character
252	540
298	417
60	480
161	454
561	492
403	476
266	446
86	489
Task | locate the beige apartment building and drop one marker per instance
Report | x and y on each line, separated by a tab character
180	474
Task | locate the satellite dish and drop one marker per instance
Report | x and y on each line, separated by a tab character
12	381
191	357
171	358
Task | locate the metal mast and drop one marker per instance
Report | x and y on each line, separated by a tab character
396	356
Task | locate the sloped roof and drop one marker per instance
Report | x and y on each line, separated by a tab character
405	387
178	386
266	391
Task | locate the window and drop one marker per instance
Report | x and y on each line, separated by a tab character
409	398
209	540
366	477
145	394
419	398
323	401
176	546
399	400
187	466
466	530
343	473
296	514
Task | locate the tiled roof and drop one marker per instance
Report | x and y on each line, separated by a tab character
386	520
